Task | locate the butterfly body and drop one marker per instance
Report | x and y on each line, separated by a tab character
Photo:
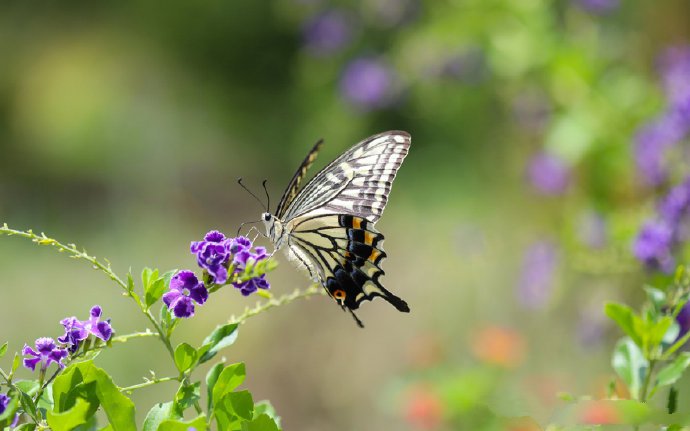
328	227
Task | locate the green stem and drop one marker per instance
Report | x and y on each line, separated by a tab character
312	290
647	380
148	383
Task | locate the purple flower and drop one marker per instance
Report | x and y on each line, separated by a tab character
538	274
652	141
240	261
252	285
45	353
76	330
676	203
599	7
185	290
683	320
592	230
327	32
653	246
548	174
368	83
241	243
674	66
213	254
4	401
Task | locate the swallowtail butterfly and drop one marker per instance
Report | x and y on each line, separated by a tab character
328	227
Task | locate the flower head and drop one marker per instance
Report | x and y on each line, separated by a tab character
185	290
327	32
674	67
548	174
653	246
76	330
4	401
46	352
240	261
368	83
213	255
652	142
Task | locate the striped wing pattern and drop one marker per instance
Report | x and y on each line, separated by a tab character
330	223
356	183
293	187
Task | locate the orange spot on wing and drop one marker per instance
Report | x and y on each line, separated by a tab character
356	223
339	294
368	238
374	255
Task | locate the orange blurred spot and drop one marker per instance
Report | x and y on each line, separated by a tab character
423	408
500	346
598	413
425	350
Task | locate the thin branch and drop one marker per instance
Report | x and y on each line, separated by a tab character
147	383
260	307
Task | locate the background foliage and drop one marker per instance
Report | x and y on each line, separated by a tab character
123	126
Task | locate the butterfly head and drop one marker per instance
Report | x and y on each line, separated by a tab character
274	228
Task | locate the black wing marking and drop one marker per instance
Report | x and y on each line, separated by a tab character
356	183
345	253
293	187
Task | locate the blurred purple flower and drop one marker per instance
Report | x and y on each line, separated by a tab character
538	274
185	290
653	246
683	320
368	83
548	174
213	255
531	110
46	352
652	141
674	67
4	401
599	7
592	230
327	32
676	204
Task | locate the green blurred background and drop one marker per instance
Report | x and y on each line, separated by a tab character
123	126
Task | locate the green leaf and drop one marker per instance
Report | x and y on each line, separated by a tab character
27	404
221	337
154	292
92	384
211	379
657	331
26	427
265	407
627	320
29	387
630	365
673	371
71	418
130	282
3	349
198	423
157	415
262	422
187	396
7	416
185	357
656	296
15	362
230	378
239	404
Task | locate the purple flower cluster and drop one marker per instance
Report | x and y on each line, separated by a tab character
658	238
327	32
47	351
654	139
368	83
217	256
4	401
548	174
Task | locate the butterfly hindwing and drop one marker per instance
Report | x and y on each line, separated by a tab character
344	252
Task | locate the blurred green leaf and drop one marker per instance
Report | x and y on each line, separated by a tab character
158	413
70	418
211	379
3	349
221	337
265	407
627	320
26	427
187	396
198	423
229	379
630	365
672	404
656	296
185	357
673	371
263	422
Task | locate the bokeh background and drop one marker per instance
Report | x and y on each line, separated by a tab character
544	132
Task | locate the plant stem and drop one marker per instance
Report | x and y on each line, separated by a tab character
647	380
148	383
312	290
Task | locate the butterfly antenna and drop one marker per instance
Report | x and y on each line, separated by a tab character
244	223
354	316
239	181
268	197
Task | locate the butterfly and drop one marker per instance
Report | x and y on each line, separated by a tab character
328	226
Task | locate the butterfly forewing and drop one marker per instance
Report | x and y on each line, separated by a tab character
293	187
